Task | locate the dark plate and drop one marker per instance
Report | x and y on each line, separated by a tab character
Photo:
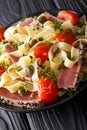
58	101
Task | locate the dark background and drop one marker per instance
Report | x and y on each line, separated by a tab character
71	115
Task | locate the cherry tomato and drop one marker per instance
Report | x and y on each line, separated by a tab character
41	51
2	69
47	90
2	28
65	36
68	15
1	36
2	32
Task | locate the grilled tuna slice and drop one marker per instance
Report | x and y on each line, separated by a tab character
30	100
70	77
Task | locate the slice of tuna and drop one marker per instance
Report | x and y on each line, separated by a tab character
14	59
68	77
9	48
49	17
30	100
52	18
26	22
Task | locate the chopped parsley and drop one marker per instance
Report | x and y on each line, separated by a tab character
73	58
16	46
49	74
71	31
23	19
2	63
70	93
84	78
53	76
18	68
25	87
44	72
23	90
56	25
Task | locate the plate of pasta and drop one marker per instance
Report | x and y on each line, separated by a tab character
43	60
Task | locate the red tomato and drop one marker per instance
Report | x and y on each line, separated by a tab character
41	51
1	36
2	28
68	15
47	90
2	69
65	36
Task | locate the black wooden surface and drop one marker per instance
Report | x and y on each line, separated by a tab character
71	115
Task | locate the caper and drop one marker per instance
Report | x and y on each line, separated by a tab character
55	50
33	42
42	19
31	69
22	91
40	39
69	55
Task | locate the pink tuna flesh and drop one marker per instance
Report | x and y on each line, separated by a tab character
68	77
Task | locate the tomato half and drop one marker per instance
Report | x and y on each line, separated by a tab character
41	51
47	90
1	36
2	69
68	15
65	36
2	28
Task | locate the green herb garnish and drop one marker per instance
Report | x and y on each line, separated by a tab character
70	93
44	72
23	19
84	78
16	46
23	90
73	58
2	63
18	68
53	76
56	25
25	87
49	74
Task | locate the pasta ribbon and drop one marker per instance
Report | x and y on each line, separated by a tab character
62	56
